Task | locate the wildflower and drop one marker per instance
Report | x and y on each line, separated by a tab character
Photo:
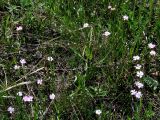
140	74
16	67
133	92
139	85
109	7
28	98
112	9
19	93
10	109
136	58
106	33
50	59
153	53
98	112
85	25
19	28
52	96
39	81
125	17
23	61
151	45
138	66
138	95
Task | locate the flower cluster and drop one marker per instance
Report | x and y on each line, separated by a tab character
27	98
139	74
22	62
152	46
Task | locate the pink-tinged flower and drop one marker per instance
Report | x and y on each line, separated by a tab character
136	58
98	112
138	84
19	28
85	25
138	95
10	109
39	81
153	53
151	45
20	93
16	67
23	61
133	92
52	96
125	17
140	74
138	66
106	33
28	98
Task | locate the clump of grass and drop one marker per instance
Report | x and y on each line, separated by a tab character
74	59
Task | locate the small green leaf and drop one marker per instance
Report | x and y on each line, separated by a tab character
25	2
152	83
88	53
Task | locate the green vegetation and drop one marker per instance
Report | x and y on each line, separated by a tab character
83	53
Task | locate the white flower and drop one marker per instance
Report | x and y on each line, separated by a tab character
23	61
138	84
138	66
112	9
49	58
153	53
140	74
125	17
52	96
109	7
39	81
10	109
19	28
106	33
16	67
151	45
136	58
20	93
138	94
98	112
133	92
85	25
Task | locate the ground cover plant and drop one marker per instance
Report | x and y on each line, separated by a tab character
79	60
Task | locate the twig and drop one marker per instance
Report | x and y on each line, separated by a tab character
8	97
44	113
19	84
30	73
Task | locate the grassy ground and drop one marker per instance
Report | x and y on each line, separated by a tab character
89	71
